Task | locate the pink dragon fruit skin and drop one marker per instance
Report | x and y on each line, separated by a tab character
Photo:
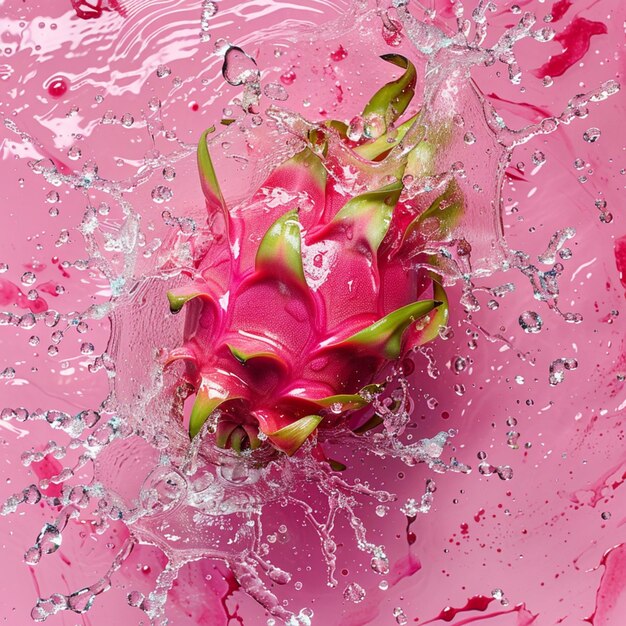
294	312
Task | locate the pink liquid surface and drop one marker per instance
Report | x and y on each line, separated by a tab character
551	538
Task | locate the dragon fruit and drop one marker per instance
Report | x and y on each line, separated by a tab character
296	310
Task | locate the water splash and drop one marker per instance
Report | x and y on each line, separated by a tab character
184	484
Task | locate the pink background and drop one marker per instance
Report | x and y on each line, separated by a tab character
541	536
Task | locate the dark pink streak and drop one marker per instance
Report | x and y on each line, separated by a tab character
575	40
475	603
524	616
539	112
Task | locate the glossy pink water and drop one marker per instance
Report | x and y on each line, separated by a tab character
551	537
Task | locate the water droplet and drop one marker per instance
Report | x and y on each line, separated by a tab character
108	118
401	618
239	68
169	173
459	365
163	71
530	321
591	135
538	157
161	194
505	472
127	120
354	593
74	153
380	563
28	278
135	598
469	138
275	91
7	373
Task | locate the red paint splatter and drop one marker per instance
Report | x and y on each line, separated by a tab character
392	32
10	294
339	54
403	568
515	106
512	174
57	87
91	9
49	287
575	40
411	538
559	9
610	596
598	490
288	77
46	469
55	261
475	603
620	259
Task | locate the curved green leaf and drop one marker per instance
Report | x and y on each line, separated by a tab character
208	178
181	295
384	337
290	438
373	149
279	252
439	318
447	217
208	398
369	214
391	100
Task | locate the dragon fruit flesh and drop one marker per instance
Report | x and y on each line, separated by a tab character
295	311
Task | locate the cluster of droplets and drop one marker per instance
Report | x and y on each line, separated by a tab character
504	472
